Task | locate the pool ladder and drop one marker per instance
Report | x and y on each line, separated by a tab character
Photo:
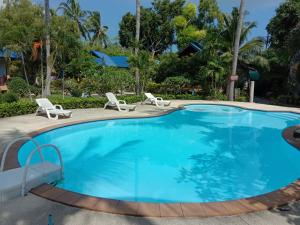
17	182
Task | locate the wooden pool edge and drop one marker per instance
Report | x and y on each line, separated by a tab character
267	201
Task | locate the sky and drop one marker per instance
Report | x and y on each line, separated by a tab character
112	11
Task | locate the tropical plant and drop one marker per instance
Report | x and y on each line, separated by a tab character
49	65
18	86
210	15
174	85
83	66
20	25
146	66
249	52
95	28
284	51
286	19
157	30
136	49
72	9
186	26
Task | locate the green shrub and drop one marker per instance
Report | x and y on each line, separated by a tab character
242	98
17	108
18	86
35	90
9	97
174	85
154	87
116	80
89	85
76	92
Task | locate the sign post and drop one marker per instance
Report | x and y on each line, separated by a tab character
254	76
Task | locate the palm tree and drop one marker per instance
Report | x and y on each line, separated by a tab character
47	90
240	49
72	9
247	49
236	49
137	40
98	31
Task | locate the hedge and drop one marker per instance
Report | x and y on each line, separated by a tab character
25	106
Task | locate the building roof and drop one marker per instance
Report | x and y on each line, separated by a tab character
114	61
192	48
4	53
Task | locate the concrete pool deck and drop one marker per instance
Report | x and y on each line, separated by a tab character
34	210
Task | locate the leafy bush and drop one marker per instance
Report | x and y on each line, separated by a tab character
9	97
82	66
217	95
174	85
18	86
76	92
17	108
35	90
73	87
154	87
89	85
117	80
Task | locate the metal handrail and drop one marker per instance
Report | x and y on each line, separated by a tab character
29	160
13	142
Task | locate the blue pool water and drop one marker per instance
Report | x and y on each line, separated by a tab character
203	153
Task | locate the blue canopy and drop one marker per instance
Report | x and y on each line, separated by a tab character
114	61
4	53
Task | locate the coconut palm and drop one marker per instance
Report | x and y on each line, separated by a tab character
99	32
236	47
137	39
240	49
249	51
47	90
72	9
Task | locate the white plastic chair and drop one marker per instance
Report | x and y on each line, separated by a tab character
158	101
121	105
46	107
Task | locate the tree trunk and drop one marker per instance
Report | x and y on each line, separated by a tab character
137	39
236	50
47	91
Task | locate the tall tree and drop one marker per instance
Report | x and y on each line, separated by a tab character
209	15
99	32
286	18
246	48
283	30
157	30
137	40
73	10
47	90
236	50
186	26
20	25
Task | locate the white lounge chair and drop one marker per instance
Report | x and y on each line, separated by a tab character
46	107
119	104
158	101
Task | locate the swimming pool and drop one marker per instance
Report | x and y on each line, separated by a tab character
203	153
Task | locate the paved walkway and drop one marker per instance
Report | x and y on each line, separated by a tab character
33	210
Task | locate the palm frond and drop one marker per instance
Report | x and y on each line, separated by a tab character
253	46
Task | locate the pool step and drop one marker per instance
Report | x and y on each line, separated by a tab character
17	182
11	181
